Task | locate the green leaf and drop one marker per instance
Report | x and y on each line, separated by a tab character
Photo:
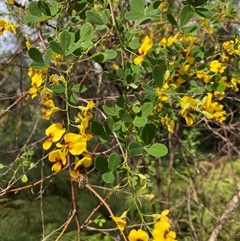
134	44
140	121
1	166
157	150
93	17
204	12
153	7
137	6
149	89
31	18
44	8
108	125
34	9
110	110
191	29
148	133
132	16
185	15
56	47
113	161
86	44
136	109
79	88
125	116
97	129
72	99
146	109
24	178
99	57
87	32
172	20
158	76
66	39
108	177
35	55
135	148
35	65
101	163
48	57
58	89
220	87
112	54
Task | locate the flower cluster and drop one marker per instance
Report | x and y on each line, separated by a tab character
73	143
232	46
143	50
211	110
161	231
7	26
188	71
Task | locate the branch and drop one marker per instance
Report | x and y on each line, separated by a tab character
231	206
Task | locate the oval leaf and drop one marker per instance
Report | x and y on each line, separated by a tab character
97	129
185	15
113	161
148	132
108	177
101	163
87	32
24	178
93	17
135	148
140	121
157	150
55	47
35	55
158	76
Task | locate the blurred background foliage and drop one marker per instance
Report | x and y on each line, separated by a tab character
196	180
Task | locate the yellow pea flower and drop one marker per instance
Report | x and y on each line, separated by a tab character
54	133
121	222
187	104
136	235
59	158
74	143
143	50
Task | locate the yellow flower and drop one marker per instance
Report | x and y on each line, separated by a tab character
28	44
115	66
56	79
59	158
74	143
31	72
46	94
213	110
161	229
5	26
138	235
54	133
234	84
49	109
36	80
232	46
217	67
200	74
167	42
143	50
187	104
11	2
121	222
57	59
86	161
